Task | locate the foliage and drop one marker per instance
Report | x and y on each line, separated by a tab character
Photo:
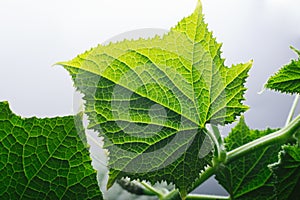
152	100
249	176
44	158
288	78
287	173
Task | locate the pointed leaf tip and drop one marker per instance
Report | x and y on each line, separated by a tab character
199	6
59	64
56	64
110	183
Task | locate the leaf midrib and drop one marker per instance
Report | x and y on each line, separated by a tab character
91	71
249	171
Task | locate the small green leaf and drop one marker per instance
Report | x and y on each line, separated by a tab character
151	100
249	176
287	79
44	158
287	173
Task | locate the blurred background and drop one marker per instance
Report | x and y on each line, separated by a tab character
36	34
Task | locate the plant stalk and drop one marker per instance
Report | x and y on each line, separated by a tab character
279	137
210	171
151	190
292	111
219	143
207	197
173	195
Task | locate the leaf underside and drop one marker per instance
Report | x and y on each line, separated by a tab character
249	176
44	158
287	79
287	173
151	100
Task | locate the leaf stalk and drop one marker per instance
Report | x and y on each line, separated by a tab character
207	197
151	190
292	111
279	137
218	140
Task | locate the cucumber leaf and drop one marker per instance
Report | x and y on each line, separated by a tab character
287	79
44	158
287	173
151	99
249	176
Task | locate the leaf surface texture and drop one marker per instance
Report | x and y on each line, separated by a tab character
249	177
287	173
152	98
287	79
44	158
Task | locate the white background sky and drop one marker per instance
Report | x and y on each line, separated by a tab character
35	34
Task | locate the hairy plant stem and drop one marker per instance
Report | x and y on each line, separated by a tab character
173	195
279	137
221	157
292	111
215	141
207	197
296	50
219	142
151	190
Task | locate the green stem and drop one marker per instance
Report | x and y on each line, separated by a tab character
279	137
214	140
217	133
173	195
210	171
135	187
207	197
152	190
219	143
296	50
217	137
292	111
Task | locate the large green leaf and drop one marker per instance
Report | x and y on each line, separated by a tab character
287	79
249	176
287	173
151	100
44	158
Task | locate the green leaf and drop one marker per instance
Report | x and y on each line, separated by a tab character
248	177
151	100
287	173
287	79
44	158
